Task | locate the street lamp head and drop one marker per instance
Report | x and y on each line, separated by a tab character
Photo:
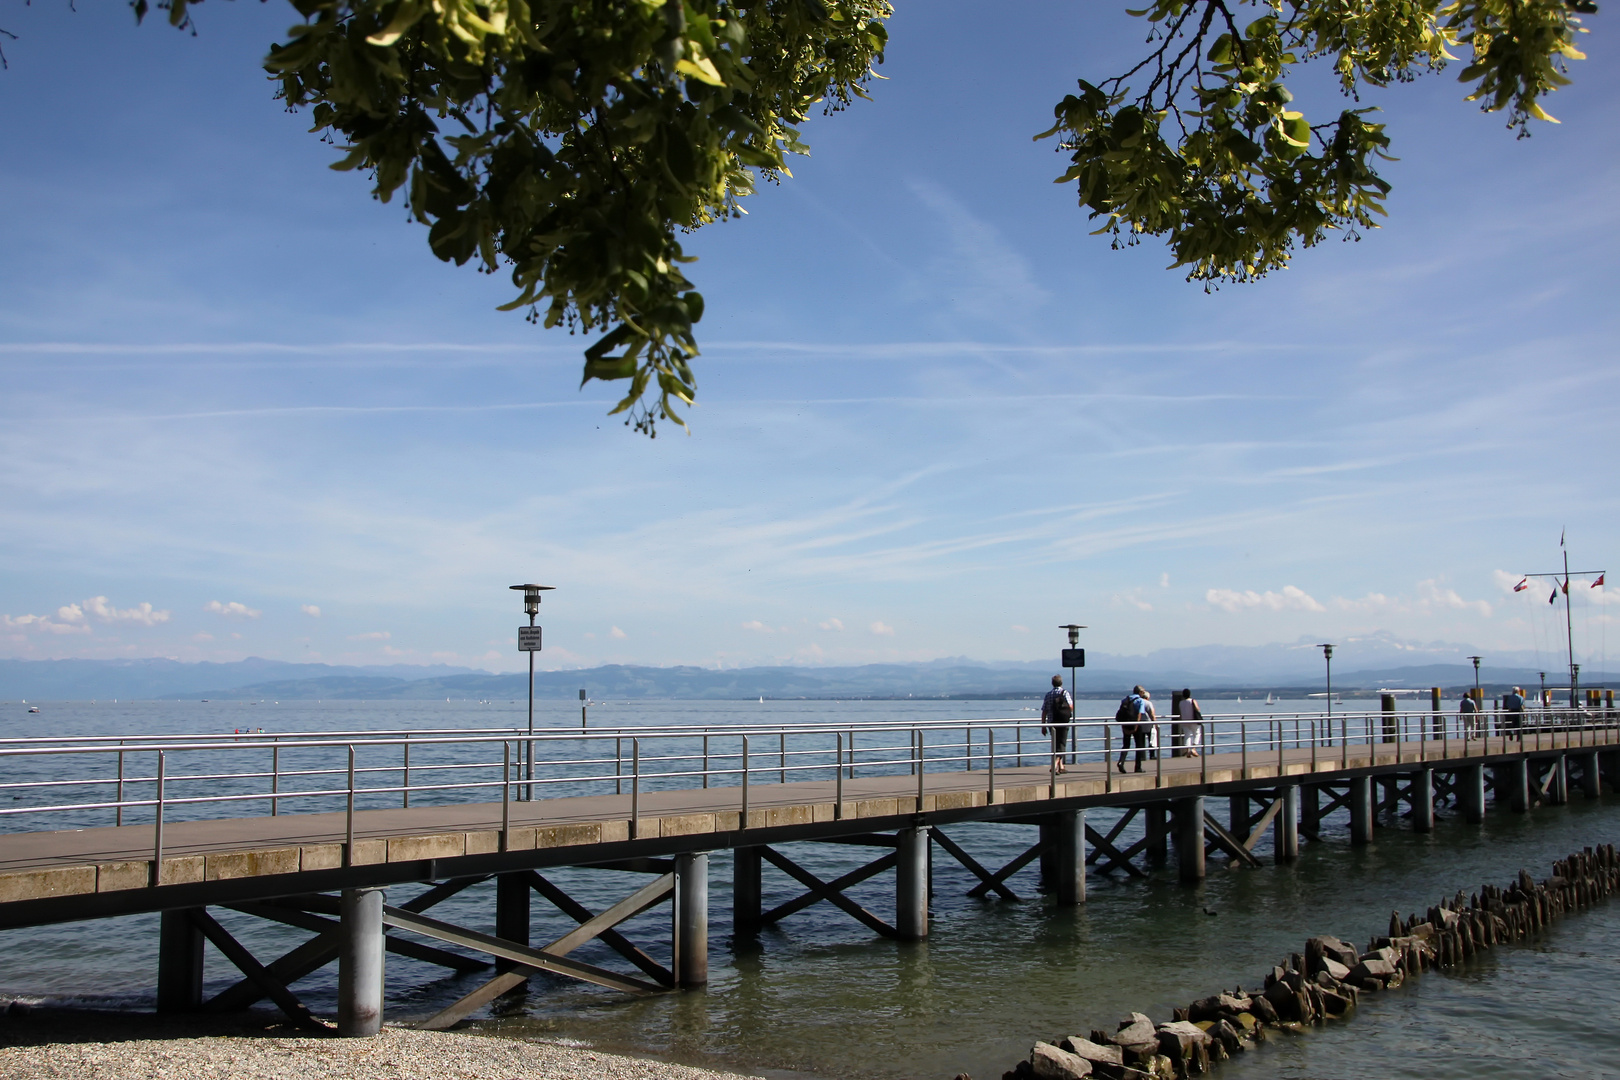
531	596
1476	660
1074	632
1327	651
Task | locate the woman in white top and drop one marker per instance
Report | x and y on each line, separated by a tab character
1191	727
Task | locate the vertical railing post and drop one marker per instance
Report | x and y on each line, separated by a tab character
838	778
1108	758
348	829
157	826
1206	743
852	753
990	758
920	755
405	777
705	759
1019	728
506	791
275	778
742	822
781	759
635	789
618	765
1243	742
119	819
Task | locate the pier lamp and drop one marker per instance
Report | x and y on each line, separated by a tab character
1073	657
1542	700
529	642
1327	655
1476	661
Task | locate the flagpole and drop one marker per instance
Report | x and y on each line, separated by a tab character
1569	631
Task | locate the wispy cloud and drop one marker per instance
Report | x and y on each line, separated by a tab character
232	610
1290	598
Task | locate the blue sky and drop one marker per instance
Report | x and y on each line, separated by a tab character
936	416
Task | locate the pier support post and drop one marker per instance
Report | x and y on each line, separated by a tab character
1158	832
512	915
691	920
1512	784
1069	830
911	884
1558	790
1310	810
180	963
1048	858
1591	775
1361	810
1423	800
1286	841
1189	826
360	963
1237	816
746	891
1471	793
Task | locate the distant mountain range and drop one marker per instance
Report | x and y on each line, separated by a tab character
1360	666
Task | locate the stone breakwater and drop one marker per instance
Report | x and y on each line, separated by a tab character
1326	981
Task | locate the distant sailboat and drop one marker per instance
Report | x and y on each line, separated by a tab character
762	699
1240	699
1269	701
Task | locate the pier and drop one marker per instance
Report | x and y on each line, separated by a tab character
355	836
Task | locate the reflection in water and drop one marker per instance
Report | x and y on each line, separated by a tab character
819	994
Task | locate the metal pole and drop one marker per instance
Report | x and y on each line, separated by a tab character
275	778
529	788
781	759
838	779
348	831
920	754
1569	634
618	765
742	823
405	779
360	962
506	792
157	827
635	788
119	818
705	759
990	754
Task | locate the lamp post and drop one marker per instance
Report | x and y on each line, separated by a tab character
1477	693
1327	655
1073	657
1542	700
530	643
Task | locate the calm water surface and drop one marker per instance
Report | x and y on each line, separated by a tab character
819	994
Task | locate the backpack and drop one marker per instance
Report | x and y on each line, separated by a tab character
1062	711
1127	711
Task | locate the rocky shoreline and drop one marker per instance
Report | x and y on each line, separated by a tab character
1327	980
72	1045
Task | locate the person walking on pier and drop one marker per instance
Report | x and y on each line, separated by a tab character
1139	723
1513	713
1468	715
1057	713
1187	728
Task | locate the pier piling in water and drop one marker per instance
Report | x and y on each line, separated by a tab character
1423	800
1471	793
1069	832
180	963
1512	783
1286	840
512	914
1189	826
360	963
746	890
1558	782
1361	810
691	919
1591	775
911	884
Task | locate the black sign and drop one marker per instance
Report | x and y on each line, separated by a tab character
1074	658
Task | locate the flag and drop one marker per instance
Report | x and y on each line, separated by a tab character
1560	537
1566	586
1553	599
1598	582
1522	585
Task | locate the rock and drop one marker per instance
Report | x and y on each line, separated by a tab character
1134	1030
1339	972
1236	1002
1092	1052
1334	1003
1047	1062
1382	970
1387	954
1265	1011
1227	1035
1335	949
1247	1023
1185	1044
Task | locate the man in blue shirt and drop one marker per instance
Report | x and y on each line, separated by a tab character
1057	712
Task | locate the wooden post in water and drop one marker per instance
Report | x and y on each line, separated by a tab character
1438	724
746	891
1310	810
180	963
360	963
1423	800
1386	702
1513	785
1158	831
691	919
1189	825
1361	810
1591	775
911	884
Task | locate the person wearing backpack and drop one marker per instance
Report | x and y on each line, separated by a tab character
1057	713
1137	723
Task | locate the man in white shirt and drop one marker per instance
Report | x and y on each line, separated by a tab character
1057	713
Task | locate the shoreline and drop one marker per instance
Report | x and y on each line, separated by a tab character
71	1044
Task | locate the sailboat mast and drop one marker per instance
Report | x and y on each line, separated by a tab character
1569	632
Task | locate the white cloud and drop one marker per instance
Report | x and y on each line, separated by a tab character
312	610
70	613
1431	598
883	628
42	623
757	627
617	633
1292	598
1431	595
1131	599
232	610
140	613
374	635
833	624
1164	580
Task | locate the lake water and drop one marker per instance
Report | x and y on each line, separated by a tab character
819	994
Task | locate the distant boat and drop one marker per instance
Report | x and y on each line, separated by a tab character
1240	699
33	708
1268	699
762	699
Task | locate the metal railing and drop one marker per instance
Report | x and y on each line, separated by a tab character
86	781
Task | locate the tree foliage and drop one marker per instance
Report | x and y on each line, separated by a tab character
573	141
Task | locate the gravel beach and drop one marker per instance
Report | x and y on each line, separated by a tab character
126	1047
